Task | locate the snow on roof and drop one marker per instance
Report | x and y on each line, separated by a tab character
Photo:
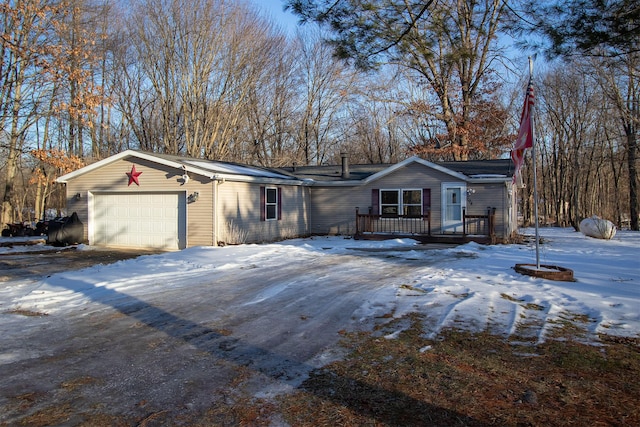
235	169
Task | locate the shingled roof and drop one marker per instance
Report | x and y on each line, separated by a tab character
359	172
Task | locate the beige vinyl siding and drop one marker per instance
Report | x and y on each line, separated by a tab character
334	208
78	206
154	178
239	209
490	196
200	221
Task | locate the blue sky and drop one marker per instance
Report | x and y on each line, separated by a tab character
273	8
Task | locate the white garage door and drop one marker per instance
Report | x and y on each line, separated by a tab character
139	220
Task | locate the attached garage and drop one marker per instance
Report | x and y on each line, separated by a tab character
153	201
138	220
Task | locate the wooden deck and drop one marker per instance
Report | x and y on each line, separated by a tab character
476	228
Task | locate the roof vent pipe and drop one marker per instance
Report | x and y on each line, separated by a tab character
345	165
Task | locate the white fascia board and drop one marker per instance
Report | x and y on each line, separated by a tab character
415	159
261	180
132	153
365	181
496	180
178	165
353	183
66	177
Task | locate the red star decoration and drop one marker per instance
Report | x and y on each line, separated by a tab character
133	175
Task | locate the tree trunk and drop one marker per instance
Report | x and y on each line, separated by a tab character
11	168
632	149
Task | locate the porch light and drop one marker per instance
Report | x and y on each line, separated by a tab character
193	197
470	191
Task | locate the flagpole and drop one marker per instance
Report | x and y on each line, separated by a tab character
527	139
535	172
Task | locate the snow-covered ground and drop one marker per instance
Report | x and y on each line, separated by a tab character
471	286
151	322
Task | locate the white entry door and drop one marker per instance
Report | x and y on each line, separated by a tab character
453	202
139	220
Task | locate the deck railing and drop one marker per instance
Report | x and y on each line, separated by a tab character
483	225
372	224
403	225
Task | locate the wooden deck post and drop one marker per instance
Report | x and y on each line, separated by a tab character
464	222
492	224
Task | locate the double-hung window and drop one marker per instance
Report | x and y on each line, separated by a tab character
412	203
403	202
389	203
270	203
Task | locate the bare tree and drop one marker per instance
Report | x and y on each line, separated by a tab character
582	150
76	58
608	32
29	69
135	102
374	130
328	84
272	102
570	106
620	81
192	71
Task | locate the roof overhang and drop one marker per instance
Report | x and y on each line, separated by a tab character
488	180
138	155
187	166
236	173
378	175
415	159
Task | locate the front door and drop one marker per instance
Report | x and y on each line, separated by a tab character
453	202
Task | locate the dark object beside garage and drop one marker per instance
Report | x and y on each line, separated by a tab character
65	231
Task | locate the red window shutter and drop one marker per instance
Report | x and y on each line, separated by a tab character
426	201
375	201
279	190
263	206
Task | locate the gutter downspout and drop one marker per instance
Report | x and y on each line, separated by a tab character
215	210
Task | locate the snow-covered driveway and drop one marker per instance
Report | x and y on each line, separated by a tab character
189	324
181	331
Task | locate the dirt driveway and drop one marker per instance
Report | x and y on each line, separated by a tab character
34	264
152	355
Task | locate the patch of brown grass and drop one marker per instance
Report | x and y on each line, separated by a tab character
52	415
238	412
457	379
28	313
77	383
471	379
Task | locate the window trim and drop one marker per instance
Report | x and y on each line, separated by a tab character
264	203
270	216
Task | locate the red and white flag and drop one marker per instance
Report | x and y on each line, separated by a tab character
525	134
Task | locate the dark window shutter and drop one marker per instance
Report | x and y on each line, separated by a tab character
375	201
426	201
279	203
263	206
